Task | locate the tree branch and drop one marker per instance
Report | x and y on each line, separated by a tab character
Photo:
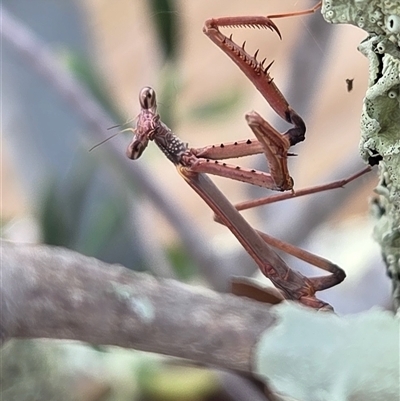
56	293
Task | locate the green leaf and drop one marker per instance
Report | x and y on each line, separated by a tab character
181	262
165	18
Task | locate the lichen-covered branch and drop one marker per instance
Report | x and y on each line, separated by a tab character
380	120
55	293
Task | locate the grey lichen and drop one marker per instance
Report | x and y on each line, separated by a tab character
361	353
140	304
380	119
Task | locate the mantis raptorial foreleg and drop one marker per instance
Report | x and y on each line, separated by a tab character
274	145
255	70
269	141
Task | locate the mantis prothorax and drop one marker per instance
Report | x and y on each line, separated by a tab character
194	164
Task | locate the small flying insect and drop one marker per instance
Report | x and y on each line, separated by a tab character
349	83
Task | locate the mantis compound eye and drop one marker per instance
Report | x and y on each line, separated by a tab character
147	98
393	23
136	148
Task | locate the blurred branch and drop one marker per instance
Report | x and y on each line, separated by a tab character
52	292
39	57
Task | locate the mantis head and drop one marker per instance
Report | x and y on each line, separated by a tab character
146	123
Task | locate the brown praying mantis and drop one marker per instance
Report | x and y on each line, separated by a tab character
194	164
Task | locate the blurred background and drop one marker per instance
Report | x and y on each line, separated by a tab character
142	214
